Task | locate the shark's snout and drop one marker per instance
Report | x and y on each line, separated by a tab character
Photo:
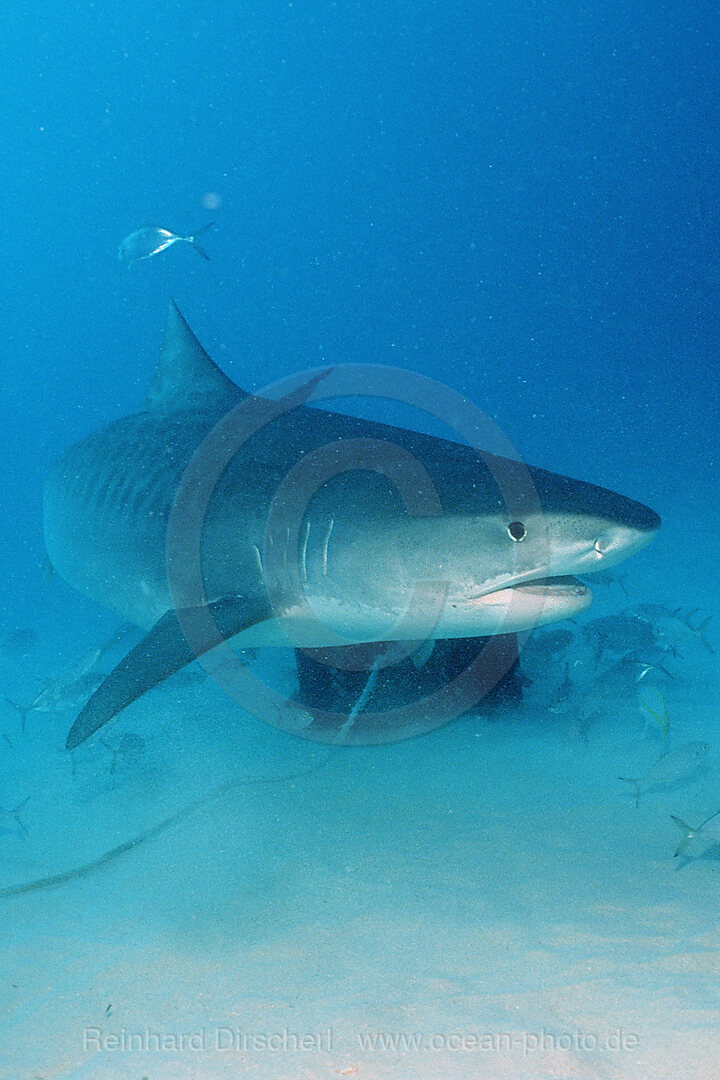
639	519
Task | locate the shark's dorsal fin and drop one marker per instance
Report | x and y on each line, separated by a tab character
185	376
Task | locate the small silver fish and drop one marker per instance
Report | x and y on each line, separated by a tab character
696	842
627	673
129	749
144	243
59	697
16	643
74	687
677	764
610	577
12	817
687	620
620	633
546	644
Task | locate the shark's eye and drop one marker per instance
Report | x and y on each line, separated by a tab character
517	531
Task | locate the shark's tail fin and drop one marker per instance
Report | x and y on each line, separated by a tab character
636	782
193	240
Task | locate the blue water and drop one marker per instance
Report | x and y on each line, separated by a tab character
522	202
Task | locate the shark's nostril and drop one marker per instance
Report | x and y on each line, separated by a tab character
603	544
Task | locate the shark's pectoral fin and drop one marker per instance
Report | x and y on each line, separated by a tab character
162	652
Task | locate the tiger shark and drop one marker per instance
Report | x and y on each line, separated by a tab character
213	515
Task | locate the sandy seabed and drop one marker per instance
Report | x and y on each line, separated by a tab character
484	901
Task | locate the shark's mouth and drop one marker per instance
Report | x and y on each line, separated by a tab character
534	602
554	586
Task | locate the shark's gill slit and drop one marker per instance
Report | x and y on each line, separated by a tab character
326	543
258	558
303	551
